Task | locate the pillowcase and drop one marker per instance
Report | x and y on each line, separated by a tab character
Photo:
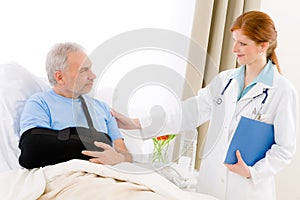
17	84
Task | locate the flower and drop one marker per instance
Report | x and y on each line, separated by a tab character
161	145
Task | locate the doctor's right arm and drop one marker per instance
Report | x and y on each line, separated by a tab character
175	118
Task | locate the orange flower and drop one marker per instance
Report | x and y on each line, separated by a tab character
164	137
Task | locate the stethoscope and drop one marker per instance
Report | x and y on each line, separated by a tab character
219	100
257	114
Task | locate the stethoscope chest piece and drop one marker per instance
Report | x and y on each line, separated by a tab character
219	100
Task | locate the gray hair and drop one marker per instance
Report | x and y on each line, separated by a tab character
57	58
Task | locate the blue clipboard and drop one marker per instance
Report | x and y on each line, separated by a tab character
253	139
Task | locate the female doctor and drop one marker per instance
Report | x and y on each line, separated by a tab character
255	90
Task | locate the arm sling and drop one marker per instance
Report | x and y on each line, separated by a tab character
43	146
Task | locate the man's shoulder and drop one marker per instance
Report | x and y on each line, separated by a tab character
40	95
96	101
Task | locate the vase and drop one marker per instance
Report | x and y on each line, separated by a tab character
160	155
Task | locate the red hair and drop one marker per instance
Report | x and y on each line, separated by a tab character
259	27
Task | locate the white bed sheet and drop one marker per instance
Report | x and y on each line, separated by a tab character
25	184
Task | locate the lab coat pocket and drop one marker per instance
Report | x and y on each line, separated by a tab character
267	118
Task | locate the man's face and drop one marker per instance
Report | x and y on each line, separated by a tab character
77	76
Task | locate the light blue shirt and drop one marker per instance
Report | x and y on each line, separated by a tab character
265	76
53	111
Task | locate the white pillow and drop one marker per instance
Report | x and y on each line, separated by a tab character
17	84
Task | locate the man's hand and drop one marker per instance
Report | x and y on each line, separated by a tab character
126	122
107	157
240	167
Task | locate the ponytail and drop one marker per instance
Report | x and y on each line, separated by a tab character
274	60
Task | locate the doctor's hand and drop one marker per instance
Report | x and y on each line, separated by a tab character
240	167
126	122
109	156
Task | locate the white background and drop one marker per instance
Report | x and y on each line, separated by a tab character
30	28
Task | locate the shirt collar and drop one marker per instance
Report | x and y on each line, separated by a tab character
265	76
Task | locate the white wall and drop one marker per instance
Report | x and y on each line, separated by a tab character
30	28
286	16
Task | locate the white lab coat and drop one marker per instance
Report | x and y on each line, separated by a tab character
279	109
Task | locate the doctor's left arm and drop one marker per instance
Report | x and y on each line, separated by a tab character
285	130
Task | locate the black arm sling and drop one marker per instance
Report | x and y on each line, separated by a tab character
43	146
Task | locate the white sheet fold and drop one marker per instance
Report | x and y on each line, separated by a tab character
30	184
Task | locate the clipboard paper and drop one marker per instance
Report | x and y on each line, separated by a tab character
253	139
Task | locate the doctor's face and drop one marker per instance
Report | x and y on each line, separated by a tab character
247	51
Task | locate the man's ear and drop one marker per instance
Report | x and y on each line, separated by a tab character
58	77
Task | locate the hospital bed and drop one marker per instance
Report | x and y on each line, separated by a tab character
74	179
